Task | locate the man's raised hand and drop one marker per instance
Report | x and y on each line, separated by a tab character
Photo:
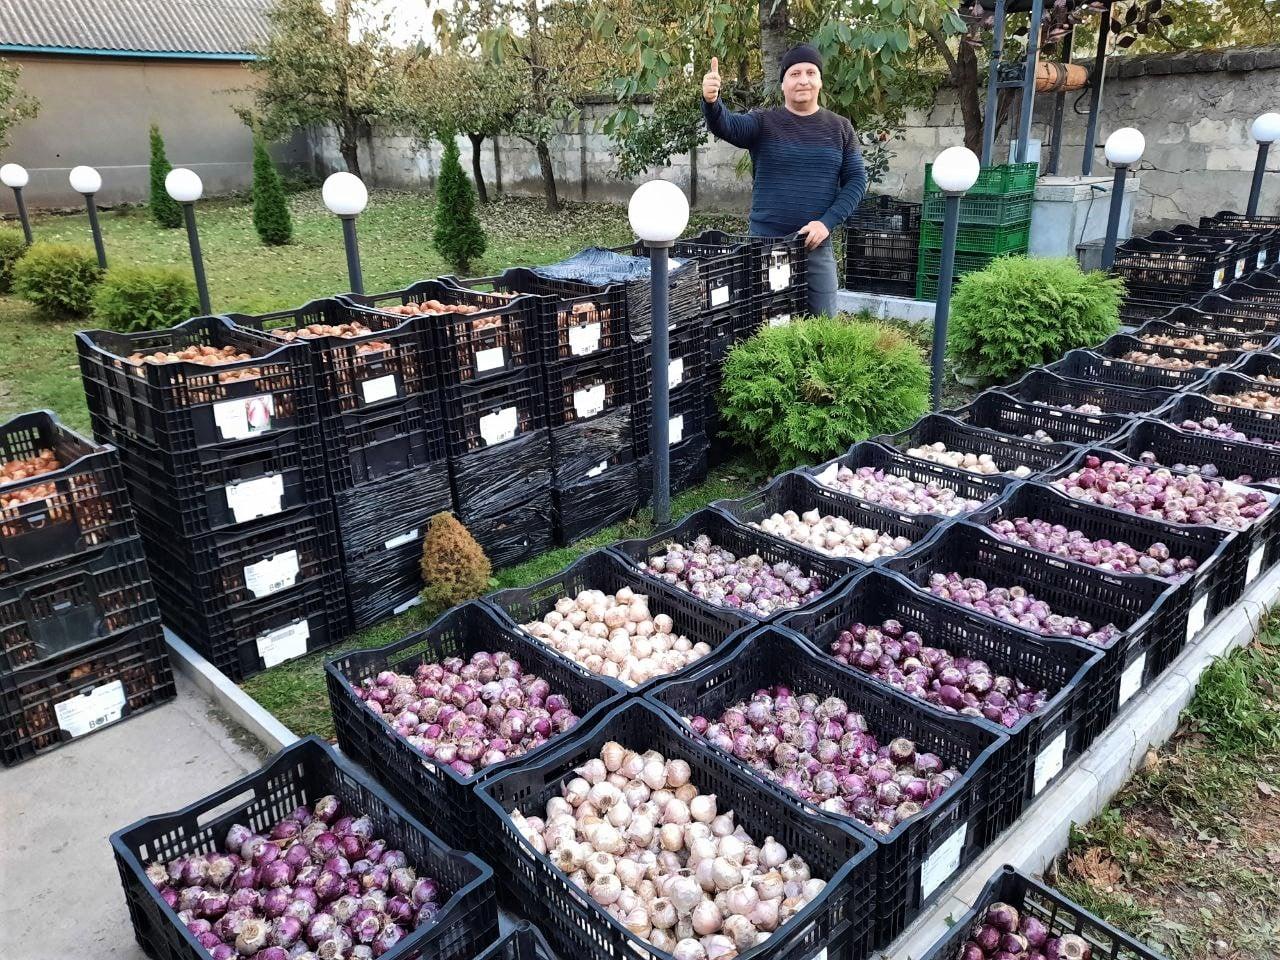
711	82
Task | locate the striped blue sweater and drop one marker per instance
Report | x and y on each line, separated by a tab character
806	168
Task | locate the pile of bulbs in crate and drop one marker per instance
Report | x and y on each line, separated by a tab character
778	728
284	466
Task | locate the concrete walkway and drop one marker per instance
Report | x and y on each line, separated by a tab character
62	894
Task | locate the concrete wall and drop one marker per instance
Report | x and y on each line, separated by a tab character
1195	110
97	111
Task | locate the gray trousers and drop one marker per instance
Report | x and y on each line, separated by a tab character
823	280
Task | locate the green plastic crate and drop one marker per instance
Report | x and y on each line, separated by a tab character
931	262
971	239
1001	180
982	211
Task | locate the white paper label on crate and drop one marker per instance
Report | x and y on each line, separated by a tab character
273	574
598	469
90	711
490	359
1049	762
1241	266
244	416
401	540
499	426
820	955
943	862
720	295
675	430
283	644
780	276
260	497
379	388
584	339
588	401
675	373
781	320
1219	276
1195	619
1262	256
1254	566
1131	679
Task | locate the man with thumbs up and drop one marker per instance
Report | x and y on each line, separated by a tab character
808	168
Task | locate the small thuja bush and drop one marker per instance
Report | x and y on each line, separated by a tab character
454	567
1020	312
58	277
270	208
164	209
459	237
805	392
12	247
144	298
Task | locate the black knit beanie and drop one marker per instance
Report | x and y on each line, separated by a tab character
802	53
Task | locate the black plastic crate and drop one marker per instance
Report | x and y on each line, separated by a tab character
800	492
1250	245
1120	344
223	570
55	516
45	706
1135	311
999	411
839	921
1045	388
1267	226
520	531
1215	584
1256	302
495	412
741	541
384	584
1091	367
179	407
881	242
687	417
701	622
686	468
1042	744
1261	426
299	775
393	511
583	451
772	310
1232	381
1060	915
916	858
1184	451
431	790
725	269
364	447
245	640
1223	319
389	364
1170	326
686	293
777	263
214	488
686	365
572	322
1170	269
1133	604
487	482
1256	544
523	942
1255	365
969	486
609	493
498	335
82	601
1007	452
580	389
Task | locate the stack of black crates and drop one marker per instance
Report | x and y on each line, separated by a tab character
80	639
881	247
226	470
382	443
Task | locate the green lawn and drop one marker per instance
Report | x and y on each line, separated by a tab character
37	353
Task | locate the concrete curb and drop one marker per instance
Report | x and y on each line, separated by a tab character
227	697
1148	720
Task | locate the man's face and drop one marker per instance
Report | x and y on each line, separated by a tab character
801	85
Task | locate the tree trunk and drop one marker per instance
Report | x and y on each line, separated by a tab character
476	173
349	145
966	80
773	42
497	165
693	176
548	177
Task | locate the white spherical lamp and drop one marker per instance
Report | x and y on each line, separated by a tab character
1266	129
1124	147
14	175
658	211
956	169
344	194
183	185
85	180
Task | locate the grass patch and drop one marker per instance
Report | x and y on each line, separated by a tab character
1186	857
295	691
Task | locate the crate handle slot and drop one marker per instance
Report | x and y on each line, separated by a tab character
213	814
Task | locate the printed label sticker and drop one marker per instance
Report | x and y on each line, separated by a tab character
379	388
284	643
720	295
1049	762
260	497
1131	679
273	574
584	339
490	359
588	401
943	862
499	426
244	416
91	711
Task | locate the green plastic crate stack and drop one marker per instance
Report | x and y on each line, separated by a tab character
995	221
